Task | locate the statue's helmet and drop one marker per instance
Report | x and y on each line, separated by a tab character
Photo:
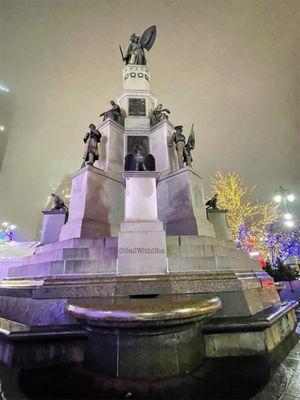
92	126
179	128
134	38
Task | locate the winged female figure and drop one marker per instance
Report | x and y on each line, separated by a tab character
135	53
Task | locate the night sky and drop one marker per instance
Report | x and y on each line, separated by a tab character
231	67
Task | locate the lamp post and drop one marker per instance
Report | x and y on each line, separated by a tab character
284	197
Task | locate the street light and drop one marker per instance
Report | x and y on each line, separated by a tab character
278	198
283	197
289	223
4	89
290	197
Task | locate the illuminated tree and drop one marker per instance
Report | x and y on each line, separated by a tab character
282	245
248	220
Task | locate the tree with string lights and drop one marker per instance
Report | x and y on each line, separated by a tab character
248	220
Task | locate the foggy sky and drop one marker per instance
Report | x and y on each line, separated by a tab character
231	67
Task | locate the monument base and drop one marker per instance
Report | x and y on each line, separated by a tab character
142	252
142	245
259	334
53	222
181	204
137	335
218	219
95	209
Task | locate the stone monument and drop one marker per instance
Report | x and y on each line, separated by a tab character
139	262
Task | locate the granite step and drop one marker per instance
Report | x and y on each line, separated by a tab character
64	267
192	240
78	243
93	253
217	263
201	251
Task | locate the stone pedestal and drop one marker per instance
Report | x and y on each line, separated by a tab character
218	219
137	100
181	204
52	224
142	240
111	147
164	152
95	206
136	77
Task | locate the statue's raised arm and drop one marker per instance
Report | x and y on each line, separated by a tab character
135	53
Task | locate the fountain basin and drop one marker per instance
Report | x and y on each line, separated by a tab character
145	336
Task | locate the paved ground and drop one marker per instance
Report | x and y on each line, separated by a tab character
284	383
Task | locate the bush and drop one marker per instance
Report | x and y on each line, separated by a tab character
281	272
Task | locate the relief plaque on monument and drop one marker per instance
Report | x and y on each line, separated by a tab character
137	107
142	141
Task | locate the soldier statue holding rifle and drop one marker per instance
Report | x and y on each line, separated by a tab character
183	149
91	140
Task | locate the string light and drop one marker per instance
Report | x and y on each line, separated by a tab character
6	231
243	213
254	226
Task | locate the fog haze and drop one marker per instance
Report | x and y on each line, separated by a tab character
231	67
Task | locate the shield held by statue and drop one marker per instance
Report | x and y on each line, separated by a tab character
148	37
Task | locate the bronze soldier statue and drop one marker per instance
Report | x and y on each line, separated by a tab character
91	140
114	112
179	139
160	114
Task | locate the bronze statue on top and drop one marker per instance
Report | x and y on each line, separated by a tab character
137	161
135	54
91	140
